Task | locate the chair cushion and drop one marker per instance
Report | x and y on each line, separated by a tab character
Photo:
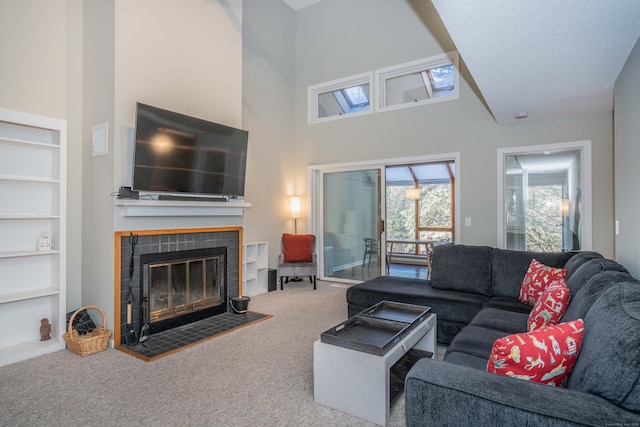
537	278
545	355
298	247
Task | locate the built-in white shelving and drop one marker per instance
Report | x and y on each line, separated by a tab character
256	268
33	194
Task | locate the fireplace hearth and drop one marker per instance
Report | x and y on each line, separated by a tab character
196	271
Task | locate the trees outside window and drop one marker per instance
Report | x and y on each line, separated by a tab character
430	217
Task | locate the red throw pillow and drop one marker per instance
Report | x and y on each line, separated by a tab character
544	356
550	306
538	277
298	247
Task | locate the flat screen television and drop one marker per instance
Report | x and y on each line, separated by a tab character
187	156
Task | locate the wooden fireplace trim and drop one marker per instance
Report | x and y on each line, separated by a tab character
118	235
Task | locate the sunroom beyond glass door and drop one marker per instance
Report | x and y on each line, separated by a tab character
351	222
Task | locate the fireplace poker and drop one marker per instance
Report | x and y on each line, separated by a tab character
131	335
144	331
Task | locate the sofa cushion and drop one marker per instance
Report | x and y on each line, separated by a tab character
576	261
462	268
475	340
506	321
507	303
609	363
550	306
448	305
509	268
590	291
536	279
590	269
546	355
467	360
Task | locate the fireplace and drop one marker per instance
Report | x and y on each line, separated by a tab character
208	259
183	286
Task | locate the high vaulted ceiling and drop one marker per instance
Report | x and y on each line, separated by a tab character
547	58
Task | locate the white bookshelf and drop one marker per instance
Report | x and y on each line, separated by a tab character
256	269
33	193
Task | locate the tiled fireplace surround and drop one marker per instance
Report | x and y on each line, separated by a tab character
163	241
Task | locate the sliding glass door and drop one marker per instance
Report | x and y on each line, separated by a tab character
351	224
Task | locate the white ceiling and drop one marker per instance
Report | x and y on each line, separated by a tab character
549	58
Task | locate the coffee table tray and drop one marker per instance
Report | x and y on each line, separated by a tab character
399	312
367	334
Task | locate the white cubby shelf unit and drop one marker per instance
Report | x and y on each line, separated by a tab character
256	259
33	193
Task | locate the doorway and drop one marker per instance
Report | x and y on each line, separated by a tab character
351	215
546	198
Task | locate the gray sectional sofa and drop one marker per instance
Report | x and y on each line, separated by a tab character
474	291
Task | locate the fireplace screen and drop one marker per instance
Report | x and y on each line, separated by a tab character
183	286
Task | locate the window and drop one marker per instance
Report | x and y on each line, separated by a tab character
419	82
340	98
545	203
427	215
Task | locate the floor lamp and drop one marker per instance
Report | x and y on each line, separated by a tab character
295	214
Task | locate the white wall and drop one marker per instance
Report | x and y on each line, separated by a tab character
267	100
627	159
98	172
330	44
40	46
33	47
183	56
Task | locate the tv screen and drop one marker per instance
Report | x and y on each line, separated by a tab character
176	153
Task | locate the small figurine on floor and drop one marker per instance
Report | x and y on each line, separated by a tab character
45	330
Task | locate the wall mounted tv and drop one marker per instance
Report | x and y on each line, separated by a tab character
187	156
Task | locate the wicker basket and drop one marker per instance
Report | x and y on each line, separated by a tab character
92	342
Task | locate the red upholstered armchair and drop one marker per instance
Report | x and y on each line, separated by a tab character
298	258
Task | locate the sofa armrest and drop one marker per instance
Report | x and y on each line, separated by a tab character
439	393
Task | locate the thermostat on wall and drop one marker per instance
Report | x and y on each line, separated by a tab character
44	242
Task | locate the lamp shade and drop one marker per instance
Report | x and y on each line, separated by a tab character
412	193
295	207
565	207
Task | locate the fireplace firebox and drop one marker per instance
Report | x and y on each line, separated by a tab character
182	287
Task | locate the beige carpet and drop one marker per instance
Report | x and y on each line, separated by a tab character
261	375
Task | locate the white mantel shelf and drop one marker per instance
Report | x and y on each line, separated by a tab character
163	208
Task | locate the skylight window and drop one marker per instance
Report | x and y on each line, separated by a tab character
442	78
356	96
416	83
340	98
349	99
